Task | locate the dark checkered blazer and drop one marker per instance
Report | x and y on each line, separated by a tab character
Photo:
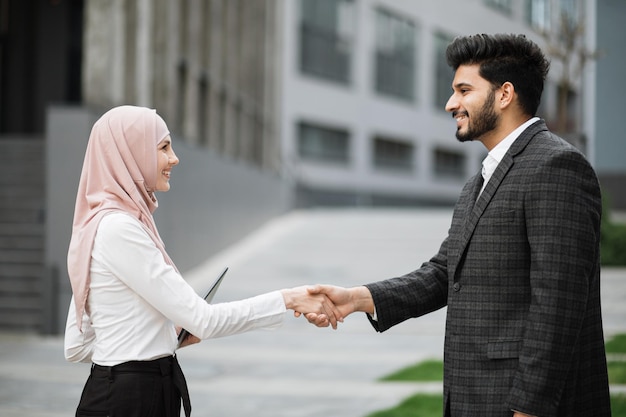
520	275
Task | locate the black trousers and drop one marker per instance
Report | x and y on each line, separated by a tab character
135	389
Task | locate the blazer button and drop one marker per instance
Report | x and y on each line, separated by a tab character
456	287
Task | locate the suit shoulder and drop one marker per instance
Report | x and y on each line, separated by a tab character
548	145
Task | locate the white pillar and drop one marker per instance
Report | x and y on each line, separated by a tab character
117	62
143	56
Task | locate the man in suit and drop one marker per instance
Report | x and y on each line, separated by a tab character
519	270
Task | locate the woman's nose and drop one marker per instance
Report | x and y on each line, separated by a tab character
174	159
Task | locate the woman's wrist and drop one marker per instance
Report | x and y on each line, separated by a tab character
288	298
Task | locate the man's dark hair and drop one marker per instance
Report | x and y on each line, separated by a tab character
502	58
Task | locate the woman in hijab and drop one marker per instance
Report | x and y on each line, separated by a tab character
129	300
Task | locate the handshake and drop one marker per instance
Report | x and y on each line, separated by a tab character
327	305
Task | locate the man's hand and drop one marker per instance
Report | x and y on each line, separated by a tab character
346	300
303	301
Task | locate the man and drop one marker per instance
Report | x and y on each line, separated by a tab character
519	270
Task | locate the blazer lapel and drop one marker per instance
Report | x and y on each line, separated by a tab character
463	211
475	211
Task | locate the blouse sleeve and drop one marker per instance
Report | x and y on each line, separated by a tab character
135	259
78	344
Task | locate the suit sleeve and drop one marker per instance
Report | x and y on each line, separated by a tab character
412	295
562	213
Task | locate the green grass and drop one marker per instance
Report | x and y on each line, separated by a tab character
428	405
617	372
617	344
617	368
430	370
618	405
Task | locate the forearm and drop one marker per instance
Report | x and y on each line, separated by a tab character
361	300
412	295
78	343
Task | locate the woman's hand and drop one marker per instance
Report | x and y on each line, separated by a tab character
189	339
302	301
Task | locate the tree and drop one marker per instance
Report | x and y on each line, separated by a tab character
565	42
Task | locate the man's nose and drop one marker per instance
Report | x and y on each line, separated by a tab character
452	104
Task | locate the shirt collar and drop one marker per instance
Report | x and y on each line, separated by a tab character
501	148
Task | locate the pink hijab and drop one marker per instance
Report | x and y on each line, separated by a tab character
119	174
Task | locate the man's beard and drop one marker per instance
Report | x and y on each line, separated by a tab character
485	120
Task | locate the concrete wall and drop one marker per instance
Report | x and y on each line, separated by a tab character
213	202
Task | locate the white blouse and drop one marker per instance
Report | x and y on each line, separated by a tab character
136	299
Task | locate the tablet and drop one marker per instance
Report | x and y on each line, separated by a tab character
208	297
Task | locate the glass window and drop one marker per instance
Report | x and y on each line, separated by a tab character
322	143
326	32
393	154
443	73
569	10
538	14
567	105
501	5
569	21
395	55
551	15
449	164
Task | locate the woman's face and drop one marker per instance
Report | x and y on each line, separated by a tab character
166	159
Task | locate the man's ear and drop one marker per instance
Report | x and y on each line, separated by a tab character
506	93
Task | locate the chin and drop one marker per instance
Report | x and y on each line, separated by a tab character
163	188
463	138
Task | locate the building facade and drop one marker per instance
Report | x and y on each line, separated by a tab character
206	65
364	86
343	98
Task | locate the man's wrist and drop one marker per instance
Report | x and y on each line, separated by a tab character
520	414
362	300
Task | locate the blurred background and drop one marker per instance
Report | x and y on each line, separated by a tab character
273	105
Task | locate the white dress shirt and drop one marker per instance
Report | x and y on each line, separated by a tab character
136	299
490	163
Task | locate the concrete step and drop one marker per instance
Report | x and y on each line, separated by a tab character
26	214
22	216
21	242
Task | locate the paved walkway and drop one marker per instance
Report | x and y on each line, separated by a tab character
297	370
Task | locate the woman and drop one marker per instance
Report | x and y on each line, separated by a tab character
129	301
